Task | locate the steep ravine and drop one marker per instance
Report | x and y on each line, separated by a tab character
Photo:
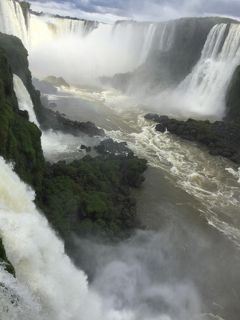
91	195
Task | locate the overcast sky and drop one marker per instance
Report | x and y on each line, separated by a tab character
110	10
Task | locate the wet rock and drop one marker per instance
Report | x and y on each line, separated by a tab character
50	119
111	147
83	147
222	138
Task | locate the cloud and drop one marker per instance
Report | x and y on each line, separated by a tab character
157	10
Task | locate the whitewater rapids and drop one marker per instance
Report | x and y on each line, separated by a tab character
213	181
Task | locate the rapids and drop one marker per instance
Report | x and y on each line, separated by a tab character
185	265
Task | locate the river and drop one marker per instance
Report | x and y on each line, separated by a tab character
187	258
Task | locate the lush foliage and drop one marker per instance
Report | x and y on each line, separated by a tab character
89	196
20	139
92	195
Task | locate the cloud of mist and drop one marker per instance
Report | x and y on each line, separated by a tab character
81	59
142	276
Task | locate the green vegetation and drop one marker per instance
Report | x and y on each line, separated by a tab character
18	60
92	196
20	139
220	137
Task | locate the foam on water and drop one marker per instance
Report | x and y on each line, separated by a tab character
209	179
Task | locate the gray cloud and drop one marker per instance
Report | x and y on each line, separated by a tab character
139	9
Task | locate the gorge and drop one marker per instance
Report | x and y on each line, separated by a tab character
166	248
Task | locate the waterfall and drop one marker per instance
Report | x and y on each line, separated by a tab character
24	100
16	300
45	28
38	28
108	49
60	291
205	87
148	41
12	20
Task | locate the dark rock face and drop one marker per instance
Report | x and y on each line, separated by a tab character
57	81
233	98
221	137
164	69
88	149
113	148
48	119
4	260
54	120
44	87
20	140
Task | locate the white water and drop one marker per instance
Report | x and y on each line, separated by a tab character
46	28
39	259
62	292
205	88
12	20
24	100
211	180
48	286
56	145
105	51
94	49
91	50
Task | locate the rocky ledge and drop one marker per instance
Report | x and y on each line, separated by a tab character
109	147
221	137
56	121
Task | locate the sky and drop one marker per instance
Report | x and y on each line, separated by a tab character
155	10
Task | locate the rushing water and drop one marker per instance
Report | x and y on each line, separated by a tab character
185	265
179	271
191	200
24	99
212	180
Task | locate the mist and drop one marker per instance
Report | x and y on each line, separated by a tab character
141	274
82	58
133	59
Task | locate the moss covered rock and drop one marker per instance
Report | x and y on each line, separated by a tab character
221	137
20	139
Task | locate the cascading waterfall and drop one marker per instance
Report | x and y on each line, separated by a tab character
16	300
101	49
24	100
12	20
44	273
62	144
206	86
148	42
134	41
49	28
